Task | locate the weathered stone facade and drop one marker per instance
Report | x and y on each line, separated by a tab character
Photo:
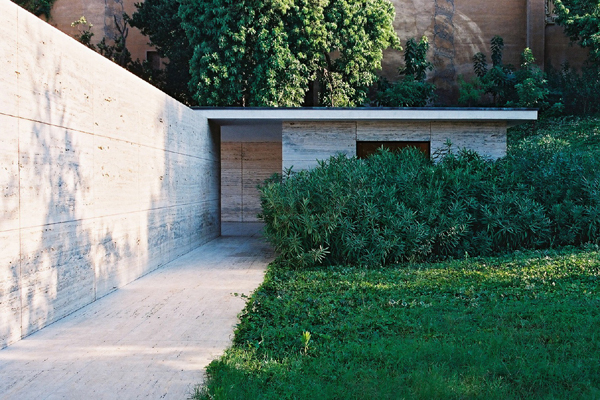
306	142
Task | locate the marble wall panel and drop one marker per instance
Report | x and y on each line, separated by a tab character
180	227
9	173
393	131
262	156
231	156
8	60
57	274
244	166
116	248
117	107
155	236
56	174
153	178
231	207
55	85
152	118
486	138
303	143
205	222
116	177
10	281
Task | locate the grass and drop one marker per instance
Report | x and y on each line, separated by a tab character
520	326
517	326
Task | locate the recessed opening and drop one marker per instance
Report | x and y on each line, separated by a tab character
365	149
153	59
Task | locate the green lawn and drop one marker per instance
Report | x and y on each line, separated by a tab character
525	325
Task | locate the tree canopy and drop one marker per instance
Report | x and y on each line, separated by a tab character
159	20
266	52
581	22
37	7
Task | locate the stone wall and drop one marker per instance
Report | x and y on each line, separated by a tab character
249	155
306	142
245	165
103	178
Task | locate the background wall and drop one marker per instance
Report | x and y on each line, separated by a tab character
456	29
103	178
101	14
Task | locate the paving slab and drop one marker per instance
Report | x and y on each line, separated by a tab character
150	339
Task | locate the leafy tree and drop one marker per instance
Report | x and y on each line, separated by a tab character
160	21
581	22
117	51
525	87
411	90
497	81
37	7
265	52
531	87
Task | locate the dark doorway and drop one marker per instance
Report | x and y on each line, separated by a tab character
365	149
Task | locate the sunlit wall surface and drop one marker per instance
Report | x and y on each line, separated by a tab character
103	178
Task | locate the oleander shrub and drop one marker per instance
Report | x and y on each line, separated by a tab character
396	207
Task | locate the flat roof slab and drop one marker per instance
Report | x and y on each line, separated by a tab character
261	115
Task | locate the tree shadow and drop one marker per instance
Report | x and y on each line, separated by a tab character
100	200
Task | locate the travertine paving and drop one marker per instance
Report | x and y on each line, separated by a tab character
150	339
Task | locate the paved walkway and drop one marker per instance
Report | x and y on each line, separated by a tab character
150	339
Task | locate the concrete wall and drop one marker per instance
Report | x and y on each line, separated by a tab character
306	142
103	178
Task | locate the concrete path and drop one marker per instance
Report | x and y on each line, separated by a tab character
150	339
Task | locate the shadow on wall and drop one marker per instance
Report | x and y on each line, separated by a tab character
108	179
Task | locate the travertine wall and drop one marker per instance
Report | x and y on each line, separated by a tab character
244	165
103	178
306	142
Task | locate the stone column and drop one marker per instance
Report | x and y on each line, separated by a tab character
536	29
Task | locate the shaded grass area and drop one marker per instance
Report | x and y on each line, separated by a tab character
524	325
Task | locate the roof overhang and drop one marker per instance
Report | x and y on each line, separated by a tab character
267	116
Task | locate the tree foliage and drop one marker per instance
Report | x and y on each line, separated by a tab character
160	21
411	90
265	52
581	22
505	85
37	7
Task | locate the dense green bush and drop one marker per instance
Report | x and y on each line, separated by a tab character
578	92
395	207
